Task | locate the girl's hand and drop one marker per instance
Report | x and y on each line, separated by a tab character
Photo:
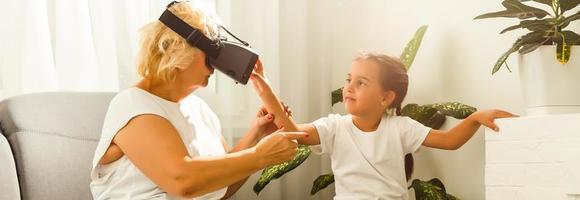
487	117
259	68
263	124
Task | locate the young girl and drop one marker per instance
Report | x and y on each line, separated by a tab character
367	147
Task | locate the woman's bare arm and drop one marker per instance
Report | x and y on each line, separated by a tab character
248	141
153	145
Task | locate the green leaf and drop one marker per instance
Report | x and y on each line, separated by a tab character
533	25
566	5
426	115
527	48
556	7
451	197
430	190
321	182
547	2
276	171
534	41
336	96
516	9
502	59
454	109
566	20
408	55
564	45
529	38
438	183
433	115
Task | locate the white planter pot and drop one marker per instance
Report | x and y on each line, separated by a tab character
548	86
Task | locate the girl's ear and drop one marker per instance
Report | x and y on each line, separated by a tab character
388	98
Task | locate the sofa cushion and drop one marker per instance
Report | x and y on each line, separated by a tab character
53	137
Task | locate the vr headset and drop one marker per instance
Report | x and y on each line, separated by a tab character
233	59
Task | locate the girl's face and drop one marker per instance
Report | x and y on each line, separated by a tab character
363	94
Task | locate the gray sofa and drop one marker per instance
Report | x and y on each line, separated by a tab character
47	144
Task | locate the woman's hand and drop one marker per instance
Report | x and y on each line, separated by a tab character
487	117
278	147
263	124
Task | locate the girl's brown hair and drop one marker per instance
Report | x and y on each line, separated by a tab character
393	76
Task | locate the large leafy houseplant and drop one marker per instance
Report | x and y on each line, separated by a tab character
545	27
431	115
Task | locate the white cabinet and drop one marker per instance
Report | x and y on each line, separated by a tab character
533	158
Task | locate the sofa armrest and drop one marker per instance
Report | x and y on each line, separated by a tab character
8	177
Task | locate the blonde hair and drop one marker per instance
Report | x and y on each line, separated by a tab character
162	50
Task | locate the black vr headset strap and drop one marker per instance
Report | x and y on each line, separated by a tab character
193	36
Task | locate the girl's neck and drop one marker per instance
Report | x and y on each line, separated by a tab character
367	123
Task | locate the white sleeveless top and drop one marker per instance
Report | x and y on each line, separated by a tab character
195	122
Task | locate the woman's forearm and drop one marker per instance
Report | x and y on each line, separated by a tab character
249	140
200	176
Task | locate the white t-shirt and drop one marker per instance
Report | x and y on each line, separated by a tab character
369	165
195	122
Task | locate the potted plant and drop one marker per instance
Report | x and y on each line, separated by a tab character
548	54
431	115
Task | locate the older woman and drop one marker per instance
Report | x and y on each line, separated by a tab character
150	150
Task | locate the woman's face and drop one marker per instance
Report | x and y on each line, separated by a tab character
197	74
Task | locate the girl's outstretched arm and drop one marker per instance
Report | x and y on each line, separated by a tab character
281	119
272	103
460	134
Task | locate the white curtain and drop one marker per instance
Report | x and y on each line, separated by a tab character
72	45
291	49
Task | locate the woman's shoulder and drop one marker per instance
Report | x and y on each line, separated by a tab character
126	94
135	100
